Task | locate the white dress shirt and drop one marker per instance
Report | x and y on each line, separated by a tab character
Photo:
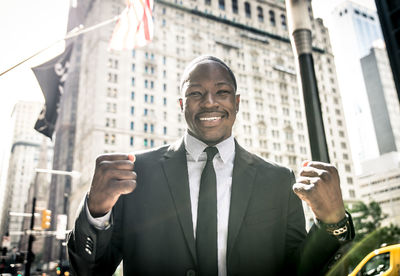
196	161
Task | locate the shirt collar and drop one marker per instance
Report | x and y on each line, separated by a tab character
195	147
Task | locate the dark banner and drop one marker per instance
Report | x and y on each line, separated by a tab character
51	77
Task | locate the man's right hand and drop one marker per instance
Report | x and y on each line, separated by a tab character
113	176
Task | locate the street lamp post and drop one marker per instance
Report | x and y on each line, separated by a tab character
73	174
300	33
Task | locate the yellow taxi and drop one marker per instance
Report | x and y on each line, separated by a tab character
384	261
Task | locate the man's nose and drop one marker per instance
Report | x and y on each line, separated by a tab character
209	99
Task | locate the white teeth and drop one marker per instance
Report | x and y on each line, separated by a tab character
210	118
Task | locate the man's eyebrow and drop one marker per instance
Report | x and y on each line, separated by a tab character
223	83
194	85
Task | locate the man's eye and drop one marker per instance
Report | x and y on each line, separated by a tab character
194	94
224	92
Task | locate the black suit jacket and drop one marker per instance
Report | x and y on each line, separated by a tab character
152	228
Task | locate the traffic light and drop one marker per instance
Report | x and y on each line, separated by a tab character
58	270
46	219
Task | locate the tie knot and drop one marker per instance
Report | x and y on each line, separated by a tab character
211	152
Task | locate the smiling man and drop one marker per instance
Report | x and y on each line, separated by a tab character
205	206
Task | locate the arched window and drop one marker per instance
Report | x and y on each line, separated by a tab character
247	9
221	4
235	8
272	17
260	14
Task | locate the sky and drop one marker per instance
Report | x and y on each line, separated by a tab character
28	26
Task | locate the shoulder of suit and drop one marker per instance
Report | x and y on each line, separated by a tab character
153	151
261	161
158	151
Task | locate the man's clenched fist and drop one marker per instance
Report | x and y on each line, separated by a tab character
319	186
113	177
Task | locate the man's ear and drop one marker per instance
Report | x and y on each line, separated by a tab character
237	101
180	101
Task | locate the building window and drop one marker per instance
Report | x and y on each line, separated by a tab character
113	139
260	14
145	127
152	128
207	2
133	81
146	83
165	87
165	130
151	98
146	98
131	141
165	101
146	111
283	21
272	17
221	4
132	125
106	138
132	110
151	143
132	95
151	84
247	9
133	53
235	6
145	142
133	67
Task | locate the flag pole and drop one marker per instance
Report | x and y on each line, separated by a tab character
73	33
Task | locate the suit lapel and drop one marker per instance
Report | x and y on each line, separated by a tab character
242	187
175	168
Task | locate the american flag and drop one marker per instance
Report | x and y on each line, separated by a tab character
134	27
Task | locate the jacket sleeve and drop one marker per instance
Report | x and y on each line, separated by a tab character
311	253
92	251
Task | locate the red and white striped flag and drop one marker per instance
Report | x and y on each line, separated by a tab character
134	27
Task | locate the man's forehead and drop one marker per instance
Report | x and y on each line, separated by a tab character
208	70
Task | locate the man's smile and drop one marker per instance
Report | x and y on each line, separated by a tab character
209	118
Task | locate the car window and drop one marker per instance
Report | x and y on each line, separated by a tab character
376	265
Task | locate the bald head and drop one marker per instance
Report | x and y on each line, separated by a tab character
204	59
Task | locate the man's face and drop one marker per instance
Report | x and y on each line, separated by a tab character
210	102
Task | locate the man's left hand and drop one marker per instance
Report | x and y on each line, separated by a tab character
319	186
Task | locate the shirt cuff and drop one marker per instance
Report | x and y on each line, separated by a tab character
100	223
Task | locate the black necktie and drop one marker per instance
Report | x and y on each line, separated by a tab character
206	230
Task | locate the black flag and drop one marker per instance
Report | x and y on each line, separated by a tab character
51	77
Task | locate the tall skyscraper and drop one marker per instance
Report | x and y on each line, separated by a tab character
385	107
353	29
60	186
389	13
127	101
23	161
